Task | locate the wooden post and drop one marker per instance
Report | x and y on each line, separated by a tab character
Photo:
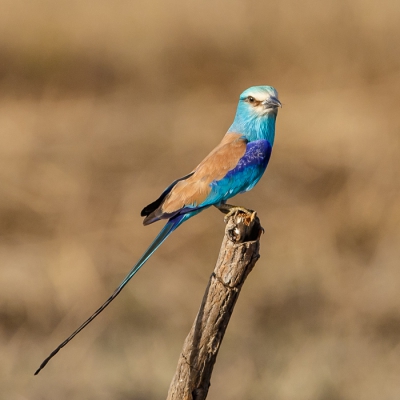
237	257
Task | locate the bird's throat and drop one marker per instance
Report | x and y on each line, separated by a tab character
255	128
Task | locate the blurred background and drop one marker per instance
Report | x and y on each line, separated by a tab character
103	104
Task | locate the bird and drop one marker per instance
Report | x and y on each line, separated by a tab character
234	166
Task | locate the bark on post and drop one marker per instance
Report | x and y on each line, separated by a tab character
237	257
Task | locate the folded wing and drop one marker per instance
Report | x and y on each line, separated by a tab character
232	167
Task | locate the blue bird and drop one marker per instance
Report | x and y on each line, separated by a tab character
234	166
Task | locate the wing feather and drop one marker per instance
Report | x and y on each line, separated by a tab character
192	190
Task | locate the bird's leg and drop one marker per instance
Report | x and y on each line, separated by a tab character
230	210
223	207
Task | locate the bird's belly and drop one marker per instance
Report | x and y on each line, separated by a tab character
234	184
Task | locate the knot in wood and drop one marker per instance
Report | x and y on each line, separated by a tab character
243	227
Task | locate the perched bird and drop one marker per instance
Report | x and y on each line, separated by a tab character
234	166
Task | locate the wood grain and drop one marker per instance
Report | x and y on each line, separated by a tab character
238	255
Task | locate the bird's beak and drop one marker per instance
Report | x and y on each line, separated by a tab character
272	102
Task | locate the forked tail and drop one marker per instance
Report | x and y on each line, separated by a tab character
170	226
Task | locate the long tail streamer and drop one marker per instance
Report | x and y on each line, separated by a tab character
165	232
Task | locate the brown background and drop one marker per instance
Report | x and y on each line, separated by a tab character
104	103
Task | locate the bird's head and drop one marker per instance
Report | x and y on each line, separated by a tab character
256	113
259	101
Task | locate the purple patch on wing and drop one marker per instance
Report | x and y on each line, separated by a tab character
257	154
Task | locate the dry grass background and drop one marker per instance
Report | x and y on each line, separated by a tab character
102	104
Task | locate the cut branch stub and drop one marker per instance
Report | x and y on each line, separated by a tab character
237	257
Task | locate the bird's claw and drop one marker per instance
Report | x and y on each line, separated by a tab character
234	211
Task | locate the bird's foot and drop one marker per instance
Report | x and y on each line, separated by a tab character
247	216
229	209
235	211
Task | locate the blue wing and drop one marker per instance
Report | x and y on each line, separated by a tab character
244	176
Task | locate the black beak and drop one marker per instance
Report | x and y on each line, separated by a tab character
272	102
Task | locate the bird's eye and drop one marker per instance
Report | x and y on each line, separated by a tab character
251	99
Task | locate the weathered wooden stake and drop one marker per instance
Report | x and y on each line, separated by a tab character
237	257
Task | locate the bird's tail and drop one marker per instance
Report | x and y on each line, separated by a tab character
169	227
